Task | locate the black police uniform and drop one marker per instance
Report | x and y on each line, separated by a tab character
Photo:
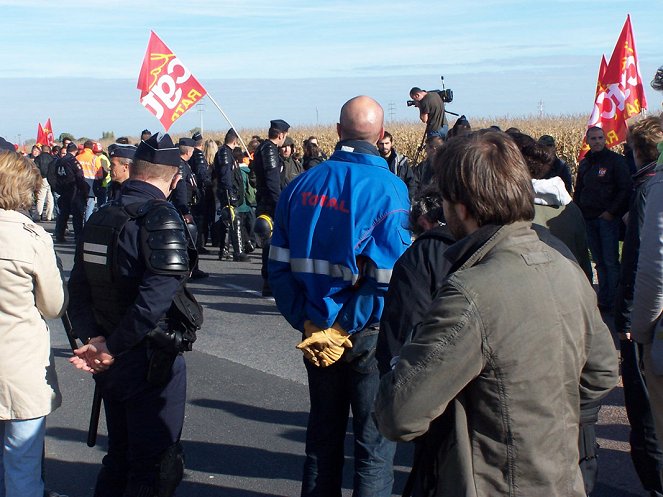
230	192
129	269
266	166
199	168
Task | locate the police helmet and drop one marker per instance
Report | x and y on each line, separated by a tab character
263	228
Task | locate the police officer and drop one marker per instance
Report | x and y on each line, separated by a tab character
187	194
128	296
266	166
230	192
200	169
121	158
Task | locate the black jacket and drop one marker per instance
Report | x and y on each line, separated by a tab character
603	184
561	169
43	162
631	249
411	291
309	162
155	295
186	192
266	166
398	165
199	167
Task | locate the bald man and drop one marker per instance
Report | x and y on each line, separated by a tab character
338	231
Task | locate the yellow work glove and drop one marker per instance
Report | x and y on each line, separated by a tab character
323	347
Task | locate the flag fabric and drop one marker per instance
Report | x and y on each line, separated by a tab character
596	112
48	131
41	136
624	73
620	92
167	87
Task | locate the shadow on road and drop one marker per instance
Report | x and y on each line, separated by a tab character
254	413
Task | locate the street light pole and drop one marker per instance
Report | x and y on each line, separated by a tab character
201	109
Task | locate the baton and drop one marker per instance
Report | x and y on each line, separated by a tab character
96	399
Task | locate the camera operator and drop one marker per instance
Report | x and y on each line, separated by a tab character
431	111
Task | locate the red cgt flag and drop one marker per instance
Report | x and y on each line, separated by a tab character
41	136
167	87
48	131
595	117
620	93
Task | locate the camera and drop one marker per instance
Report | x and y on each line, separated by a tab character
446	94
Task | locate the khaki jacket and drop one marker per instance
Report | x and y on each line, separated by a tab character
31	290
509	348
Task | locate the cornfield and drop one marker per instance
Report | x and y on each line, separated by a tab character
568	132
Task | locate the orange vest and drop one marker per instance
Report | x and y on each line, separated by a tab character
89	164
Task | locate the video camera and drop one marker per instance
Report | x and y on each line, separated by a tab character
446	94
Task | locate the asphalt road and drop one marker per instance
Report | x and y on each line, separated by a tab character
248	403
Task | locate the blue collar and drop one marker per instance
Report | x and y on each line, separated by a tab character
358	147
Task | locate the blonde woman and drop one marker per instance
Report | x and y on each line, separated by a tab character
210	148
31	290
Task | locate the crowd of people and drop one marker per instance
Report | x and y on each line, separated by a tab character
448	303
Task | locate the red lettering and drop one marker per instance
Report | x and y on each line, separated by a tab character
310	199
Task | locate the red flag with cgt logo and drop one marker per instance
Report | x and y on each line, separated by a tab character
167	87
620	93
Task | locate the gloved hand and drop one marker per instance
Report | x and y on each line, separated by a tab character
323	347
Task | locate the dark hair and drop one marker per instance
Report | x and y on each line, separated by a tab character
231	136
312	149
657	82
273	133
88	144
428	203
594	128
238	154
537	156
415	89
123	140
388	135
487	174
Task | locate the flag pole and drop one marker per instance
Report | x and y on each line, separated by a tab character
229	122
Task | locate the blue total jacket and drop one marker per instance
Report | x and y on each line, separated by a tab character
338	230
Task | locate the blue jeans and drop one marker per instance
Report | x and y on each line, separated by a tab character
603	239
20	460
442	132
352	382
89	207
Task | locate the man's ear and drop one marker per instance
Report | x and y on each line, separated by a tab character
462	212
338	129
176	179
381	135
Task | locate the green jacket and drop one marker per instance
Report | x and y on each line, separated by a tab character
496	371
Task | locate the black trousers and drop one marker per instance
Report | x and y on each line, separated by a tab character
143	422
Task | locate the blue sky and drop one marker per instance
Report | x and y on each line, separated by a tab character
77	61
